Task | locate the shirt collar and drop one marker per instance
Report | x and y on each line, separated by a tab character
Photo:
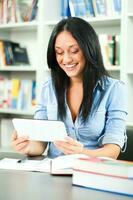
101	84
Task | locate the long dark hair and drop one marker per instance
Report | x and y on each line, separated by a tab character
94	69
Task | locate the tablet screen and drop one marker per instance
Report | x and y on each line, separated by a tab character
41	130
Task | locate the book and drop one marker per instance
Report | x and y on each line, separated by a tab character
99	7
103	182
33	10
25	9
65	10
105	166
117	7
104	174
89	8
15	87
77	8
13	53
62	165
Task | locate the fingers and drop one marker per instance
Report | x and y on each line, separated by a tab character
73	142
19	144
14	135
70	146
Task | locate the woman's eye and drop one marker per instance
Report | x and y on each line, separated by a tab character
74	51
59	52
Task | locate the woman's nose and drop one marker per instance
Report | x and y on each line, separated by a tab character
67	58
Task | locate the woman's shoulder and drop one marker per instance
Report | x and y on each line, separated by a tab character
112	82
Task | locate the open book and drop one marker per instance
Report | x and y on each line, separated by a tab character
60	165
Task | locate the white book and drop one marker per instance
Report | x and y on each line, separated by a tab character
103	182
62	165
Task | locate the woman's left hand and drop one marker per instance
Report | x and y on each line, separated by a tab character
70	146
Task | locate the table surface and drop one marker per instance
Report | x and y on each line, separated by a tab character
17	185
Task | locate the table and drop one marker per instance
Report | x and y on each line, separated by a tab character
22	185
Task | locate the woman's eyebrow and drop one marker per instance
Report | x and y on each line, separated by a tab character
68	46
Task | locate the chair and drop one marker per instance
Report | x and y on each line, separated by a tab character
128	154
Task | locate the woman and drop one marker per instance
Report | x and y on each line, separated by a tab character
81	94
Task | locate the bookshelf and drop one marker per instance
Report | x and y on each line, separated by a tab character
35	35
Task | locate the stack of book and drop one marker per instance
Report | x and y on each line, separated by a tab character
104	174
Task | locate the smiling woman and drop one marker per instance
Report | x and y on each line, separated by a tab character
81	94
69	55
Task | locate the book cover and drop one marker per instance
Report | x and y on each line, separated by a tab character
105	166
24	7
89	8
33	10
99	7
20	55
103	182
117	6
65	10
77	8
15	86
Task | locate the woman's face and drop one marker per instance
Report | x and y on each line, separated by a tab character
69	55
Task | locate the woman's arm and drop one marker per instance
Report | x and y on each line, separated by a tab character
108	150
71	146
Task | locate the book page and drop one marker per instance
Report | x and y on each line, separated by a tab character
26	165
64	164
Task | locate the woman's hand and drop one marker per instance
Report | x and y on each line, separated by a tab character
20	144
70	146
25	146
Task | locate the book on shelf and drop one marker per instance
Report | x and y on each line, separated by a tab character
65	9
104	174
15	85
2	54
99	7
77	8
12	11
89	8
17	94
13	53
110	48
117	6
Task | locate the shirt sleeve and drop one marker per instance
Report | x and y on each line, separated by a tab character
115	125
41	108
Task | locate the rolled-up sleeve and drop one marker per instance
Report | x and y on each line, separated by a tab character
115	126
41	109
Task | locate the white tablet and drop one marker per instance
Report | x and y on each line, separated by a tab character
41	130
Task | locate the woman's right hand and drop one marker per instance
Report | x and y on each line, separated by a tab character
20	144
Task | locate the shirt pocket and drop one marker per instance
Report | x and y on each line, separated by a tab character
52	112
93	128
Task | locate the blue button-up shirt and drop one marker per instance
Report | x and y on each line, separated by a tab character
105	123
